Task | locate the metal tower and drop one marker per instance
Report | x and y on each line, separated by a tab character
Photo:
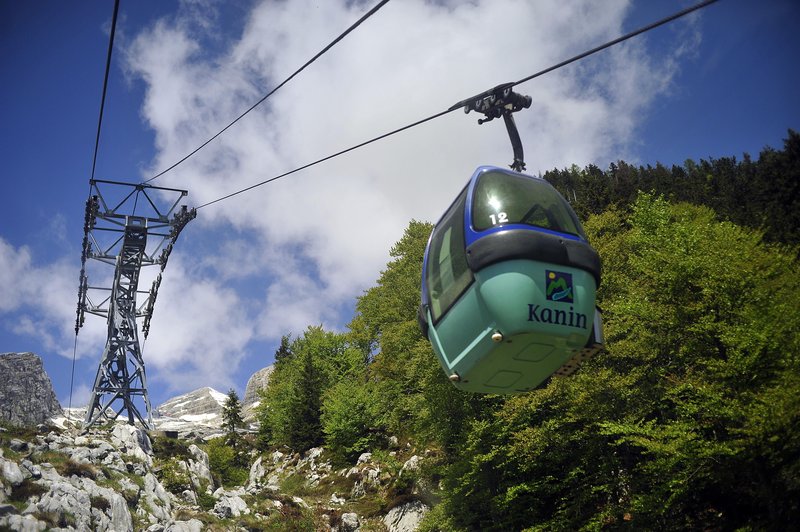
128	242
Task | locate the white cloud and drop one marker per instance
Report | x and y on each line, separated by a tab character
325	232
295	252
39	301
199	332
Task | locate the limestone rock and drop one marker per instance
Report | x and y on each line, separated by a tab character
405	518
133	440
26	393
257	381
198	467
230	505
204	404
22	523
350	522
411	465
11	472
192	525
257	473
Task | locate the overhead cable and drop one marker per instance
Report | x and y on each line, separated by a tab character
94	166
105	84
462	103
284	82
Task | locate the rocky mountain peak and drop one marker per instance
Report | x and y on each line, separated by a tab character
257	381
26	393
203	404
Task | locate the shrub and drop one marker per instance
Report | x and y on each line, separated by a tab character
165	448
70	467
222	462
350	415
101	503
173	477
26	490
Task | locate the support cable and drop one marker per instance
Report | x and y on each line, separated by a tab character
342	152
94	167
105	84
284	82
72	375
466	102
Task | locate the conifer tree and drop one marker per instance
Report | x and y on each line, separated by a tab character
232	420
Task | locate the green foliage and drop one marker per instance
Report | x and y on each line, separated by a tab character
351	419
231	422
762	194
206	501
232	416
409	386
165	448
689	421
438	520
222	461
173	477
291	405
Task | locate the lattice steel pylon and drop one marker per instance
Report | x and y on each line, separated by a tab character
114	237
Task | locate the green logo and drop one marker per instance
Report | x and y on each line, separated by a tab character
559	286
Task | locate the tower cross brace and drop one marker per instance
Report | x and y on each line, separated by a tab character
115	238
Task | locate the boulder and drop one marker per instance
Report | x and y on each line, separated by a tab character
22	523
350	522
230	505
199	468
405	518
133	441
411	465
26	393
257	473
11	472
192	525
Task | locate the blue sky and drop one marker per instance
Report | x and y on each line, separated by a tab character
299	251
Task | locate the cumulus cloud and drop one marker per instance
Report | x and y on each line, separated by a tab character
318	238
298	251
39	300
199	333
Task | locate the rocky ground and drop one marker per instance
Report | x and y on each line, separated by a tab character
120	478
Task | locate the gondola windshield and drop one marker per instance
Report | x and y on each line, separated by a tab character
503	198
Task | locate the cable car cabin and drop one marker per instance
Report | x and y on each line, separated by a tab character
508	285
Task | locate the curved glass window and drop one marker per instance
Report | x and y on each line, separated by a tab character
502	198
447	274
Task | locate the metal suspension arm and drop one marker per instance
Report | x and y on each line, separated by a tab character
497	102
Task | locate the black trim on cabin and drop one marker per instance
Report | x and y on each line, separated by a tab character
533	245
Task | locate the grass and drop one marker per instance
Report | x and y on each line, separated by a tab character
25	490
56	519
101	503
70	467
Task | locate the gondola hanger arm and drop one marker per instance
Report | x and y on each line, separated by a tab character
497	102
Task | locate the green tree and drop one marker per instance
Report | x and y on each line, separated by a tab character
415	397
689	421
352	420
232	420
224	465
290	409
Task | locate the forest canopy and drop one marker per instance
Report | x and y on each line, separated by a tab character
690	419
